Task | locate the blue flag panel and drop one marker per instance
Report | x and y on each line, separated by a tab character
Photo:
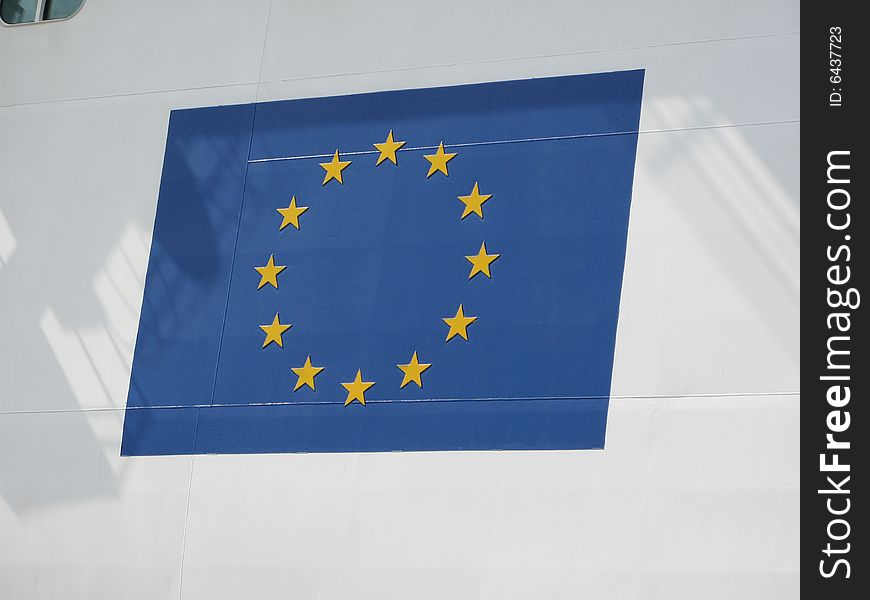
433	269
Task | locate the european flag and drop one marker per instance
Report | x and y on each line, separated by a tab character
427	269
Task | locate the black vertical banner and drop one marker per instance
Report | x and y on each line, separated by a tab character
835	367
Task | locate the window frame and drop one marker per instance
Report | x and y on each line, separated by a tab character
40	14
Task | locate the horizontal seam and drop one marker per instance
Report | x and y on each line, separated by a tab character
553	138
401	401
403	69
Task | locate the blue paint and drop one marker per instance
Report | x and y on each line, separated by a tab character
376	265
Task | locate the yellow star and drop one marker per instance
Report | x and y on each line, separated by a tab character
306	374
412	371
291	214
269	273
334	168
274	332
481	261
439	160
356	390
388	149
474	202
459	324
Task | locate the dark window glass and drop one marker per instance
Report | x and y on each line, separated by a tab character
17	11
60	9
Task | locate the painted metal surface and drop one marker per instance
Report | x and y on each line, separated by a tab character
377	264
696	493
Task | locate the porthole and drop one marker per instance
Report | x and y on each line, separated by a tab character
19	12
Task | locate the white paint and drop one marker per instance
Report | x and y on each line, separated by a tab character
8	244
696	494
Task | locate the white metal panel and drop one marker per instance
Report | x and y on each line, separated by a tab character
79	522
368	37
711	293
127	47
692	498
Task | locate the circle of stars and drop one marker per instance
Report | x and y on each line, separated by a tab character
458	324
